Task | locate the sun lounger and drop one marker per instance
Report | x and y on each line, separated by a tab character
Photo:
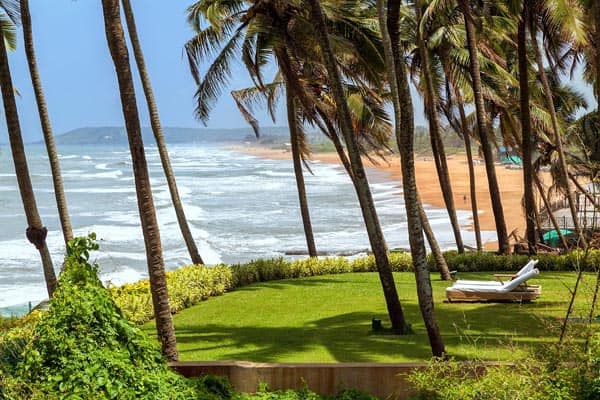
515	289
499	282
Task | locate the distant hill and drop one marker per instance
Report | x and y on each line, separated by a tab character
113	135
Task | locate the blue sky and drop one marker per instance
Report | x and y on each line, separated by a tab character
79	79
78	74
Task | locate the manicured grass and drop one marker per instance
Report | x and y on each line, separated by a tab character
328	319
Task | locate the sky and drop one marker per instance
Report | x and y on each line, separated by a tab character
79	79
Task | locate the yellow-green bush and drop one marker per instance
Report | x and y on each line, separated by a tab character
187	286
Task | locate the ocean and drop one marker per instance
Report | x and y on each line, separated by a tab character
239	207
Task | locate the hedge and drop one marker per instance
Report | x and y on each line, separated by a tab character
480	262
192	284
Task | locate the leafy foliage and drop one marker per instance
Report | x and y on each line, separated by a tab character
462	381
84	345
474	262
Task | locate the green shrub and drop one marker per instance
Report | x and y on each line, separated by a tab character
471	381
82	346
303	394
480	262
187	286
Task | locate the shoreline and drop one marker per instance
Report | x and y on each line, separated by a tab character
510	182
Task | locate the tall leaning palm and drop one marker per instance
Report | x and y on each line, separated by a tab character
362	187
59	191
158	134
389	18
36	231
526	133
431	110
484	126
156	271
236	25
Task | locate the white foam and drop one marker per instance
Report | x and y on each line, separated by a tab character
118	278
102	166
14	296
109	174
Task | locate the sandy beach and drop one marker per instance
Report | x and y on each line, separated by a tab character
510	182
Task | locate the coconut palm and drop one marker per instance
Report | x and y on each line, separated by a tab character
158	134
484	126
158	284
59	191
36	231
444	27
283	30
404	128
298	148
432	112
526	133
565	21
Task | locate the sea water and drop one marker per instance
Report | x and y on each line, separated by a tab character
239	208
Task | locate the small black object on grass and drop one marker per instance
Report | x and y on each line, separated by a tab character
376	325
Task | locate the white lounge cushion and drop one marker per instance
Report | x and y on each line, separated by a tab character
528	267
505	288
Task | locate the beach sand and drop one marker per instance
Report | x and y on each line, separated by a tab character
510	182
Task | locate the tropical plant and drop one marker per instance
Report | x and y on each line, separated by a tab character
282	30
483	124
59	191
159	136
36	232
156	271
389	18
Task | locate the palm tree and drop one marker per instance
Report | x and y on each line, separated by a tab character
431	109
362	186
404	128
36	231
59	191
484	127
526	133
282	30
158	134
158	284
296	139
572	32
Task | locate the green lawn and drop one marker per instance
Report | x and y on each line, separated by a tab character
328	319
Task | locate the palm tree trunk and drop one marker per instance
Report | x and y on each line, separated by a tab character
363	191
59	191
467	138
294	140
583	190
159	136
553	220
485	129
596	42
404	130
440	261
563	170
36	232
158	283
437	145
526	133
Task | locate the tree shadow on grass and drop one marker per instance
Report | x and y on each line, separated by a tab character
347	337
286	283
